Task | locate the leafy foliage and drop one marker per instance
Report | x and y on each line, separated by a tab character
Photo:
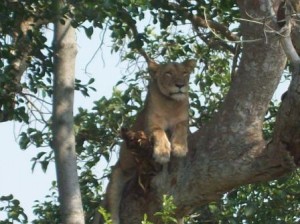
106	119
166	31
48	210
106	216
168	210
11	208
273	202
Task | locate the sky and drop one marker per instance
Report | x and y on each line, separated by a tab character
16	176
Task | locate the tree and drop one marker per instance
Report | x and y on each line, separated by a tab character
241	136
63	135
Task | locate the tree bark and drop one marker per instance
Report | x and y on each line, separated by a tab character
65	50
230	151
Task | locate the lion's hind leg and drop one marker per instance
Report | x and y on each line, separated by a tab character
115	190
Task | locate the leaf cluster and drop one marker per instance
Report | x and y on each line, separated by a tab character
273	202
47	210
11	209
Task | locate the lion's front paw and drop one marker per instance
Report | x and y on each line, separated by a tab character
162	151
179	150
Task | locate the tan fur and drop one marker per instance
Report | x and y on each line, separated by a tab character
166	109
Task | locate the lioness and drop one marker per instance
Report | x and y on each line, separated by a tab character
166	109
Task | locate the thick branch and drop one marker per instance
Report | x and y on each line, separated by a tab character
287	131
203	176
257	78
229	151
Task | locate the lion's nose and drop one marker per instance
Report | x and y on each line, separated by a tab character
179	85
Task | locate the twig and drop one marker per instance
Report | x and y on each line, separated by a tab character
37	109
39	99
96	52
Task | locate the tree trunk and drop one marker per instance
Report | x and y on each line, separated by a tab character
229	151
65	50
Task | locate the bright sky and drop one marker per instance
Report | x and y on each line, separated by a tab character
16	176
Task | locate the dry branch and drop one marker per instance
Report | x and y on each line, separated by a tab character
141	146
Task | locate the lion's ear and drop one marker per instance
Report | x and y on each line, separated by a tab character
190	64
152	66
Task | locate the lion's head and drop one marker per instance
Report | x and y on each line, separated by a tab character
172	79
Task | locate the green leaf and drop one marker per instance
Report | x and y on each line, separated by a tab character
40	154
24	141
89	31
6	198
92	80
249	211
16	202
44	165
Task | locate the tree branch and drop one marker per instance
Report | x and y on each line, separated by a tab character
256	80
136	35
198	21
287	131
215	27
229	151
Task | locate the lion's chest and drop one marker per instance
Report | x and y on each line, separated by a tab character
166	117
